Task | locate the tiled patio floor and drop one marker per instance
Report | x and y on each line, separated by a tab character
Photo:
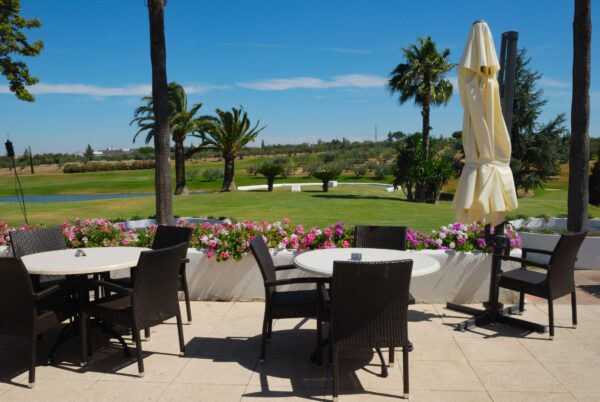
221	362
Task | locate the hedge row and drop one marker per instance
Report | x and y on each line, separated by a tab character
105	166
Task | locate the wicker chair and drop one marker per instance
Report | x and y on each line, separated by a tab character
368	302
387	237
32	241
558	281
168	236
285	304
150	301
22	313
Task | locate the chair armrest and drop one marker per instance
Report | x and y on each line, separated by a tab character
522	261
46	292
292	281
185	260
536	251
324	295
113	287
284	267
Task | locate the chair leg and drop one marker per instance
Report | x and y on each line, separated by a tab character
320	342
336	372
551	317
263	343
574	309
392	357
384	370
180	333
186	294
521	302
147	334
138	348
270	330
405	351
33	361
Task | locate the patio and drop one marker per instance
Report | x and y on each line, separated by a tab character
221	361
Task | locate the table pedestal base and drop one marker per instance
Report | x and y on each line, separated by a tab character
488	316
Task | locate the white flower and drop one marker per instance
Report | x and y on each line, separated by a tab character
463	228
452	245
442	235
439	242
227	221
434	231
281	246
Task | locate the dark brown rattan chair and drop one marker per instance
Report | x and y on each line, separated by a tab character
285	304
368	303
558	281
21	312
150	301
168	236
385	237
32	241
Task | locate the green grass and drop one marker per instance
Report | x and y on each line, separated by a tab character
351	204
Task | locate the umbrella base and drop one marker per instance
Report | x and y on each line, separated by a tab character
488	317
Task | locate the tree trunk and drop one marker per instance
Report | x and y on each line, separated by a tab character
579	157
181	188
270	181
325	185
228	183
160	103
425	114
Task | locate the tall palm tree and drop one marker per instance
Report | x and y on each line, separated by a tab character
181	122
422	77
579	158
227	135
160	96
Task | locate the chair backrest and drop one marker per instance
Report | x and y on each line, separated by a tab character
31	241
155	285
168	236
16	298
562	263
369	303
263	258
389	237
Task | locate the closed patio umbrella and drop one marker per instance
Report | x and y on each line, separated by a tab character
486	190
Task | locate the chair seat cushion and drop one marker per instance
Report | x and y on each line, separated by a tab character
115	308
521	280
292	304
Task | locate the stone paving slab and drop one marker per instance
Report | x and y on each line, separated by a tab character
221	362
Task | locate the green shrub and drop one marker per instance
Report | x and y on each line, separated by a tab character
325	173
360	170
212	174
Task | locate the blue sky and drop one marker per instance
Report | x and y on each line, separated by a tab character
308	69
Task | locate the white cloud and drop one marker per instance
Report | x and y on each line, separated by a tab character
345	50
97	91
338	81
552	83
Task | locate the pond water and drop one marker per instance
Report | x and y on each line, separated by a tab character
81	197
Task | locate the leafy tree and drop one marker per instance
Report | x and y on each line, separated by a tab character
325	173
89	152
594	182
271	169
536	147
422	78
227	135
182	122
160	107
13	41
579	192
416	170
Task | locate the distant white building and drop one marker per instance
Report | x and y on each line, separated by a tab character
98	153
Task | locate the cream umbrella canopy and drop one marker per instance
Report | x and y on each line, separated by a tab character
486	190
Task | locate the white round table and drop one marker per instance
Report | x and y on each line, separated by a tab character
97	260
320	262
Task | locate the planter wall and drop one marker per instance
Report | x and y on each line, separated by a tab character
463	278
589	253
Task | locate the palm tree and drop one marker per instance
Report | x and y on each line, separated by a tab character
181	121
579	159
422	77
227	135
160	96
